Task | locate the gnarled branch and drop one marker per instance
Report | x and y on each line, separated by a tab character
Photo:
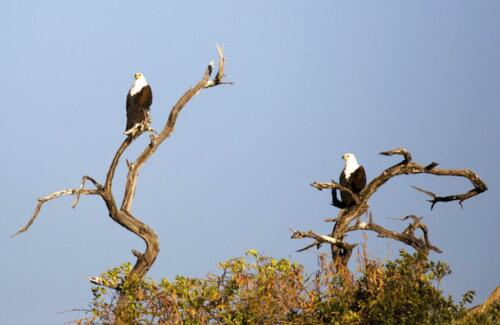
346	217
335	186
41	201
320	239
123	215
407	236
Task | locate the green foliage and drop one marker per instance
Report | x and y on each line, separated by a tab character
256	289
404	294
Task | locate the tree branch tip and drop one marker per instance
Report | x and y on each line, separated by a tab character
398	151
73	310
316	186
316	243
17	233
431	166
429	193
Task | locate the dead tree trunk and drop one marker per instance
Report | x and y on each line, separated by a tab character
122	214
349	219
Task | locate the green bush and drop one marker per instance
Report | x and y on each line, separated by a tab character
256	289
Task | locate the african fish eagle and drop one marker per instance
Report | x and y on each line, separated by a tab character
139	99
353	177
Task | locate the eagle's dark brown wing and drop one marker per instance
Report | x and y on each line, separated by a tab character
346	198
145	97
357	181
138	107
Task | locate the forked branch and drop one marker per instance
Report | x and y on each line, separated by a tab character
335	186
407	236
319	239
41	201
123	214
348	219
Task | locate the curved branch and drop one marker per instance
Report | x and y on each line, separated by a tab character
114	163
319	239
335	186
123	216
82	185
405	167
169	128
407	236
220	74
398	151
41	201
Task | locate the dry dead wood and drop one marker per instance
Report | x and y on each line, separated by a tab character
122	214
348	220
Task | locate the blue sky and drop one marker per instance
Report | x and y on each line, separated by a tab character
312	80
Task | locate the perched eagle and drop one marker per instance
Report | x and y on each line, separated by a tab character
353	177
139	99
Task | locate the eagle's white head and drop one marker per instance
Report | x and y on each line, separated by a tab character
138	84
351	164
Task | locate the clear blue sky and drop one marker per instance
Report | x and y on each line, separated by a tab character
313	80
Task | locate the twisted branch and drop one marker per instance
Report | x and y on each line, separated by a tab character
123	215
319	239
336	186
98	187
346	217
408	167
41	201
407	236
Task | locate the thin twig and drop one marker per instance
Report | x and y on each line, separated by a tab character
55	195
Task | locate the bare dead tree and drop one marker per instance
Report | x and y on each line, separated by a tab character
349	219
122	214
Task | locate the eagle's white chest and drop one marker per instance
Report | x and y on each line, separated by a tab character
349	169
137	86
